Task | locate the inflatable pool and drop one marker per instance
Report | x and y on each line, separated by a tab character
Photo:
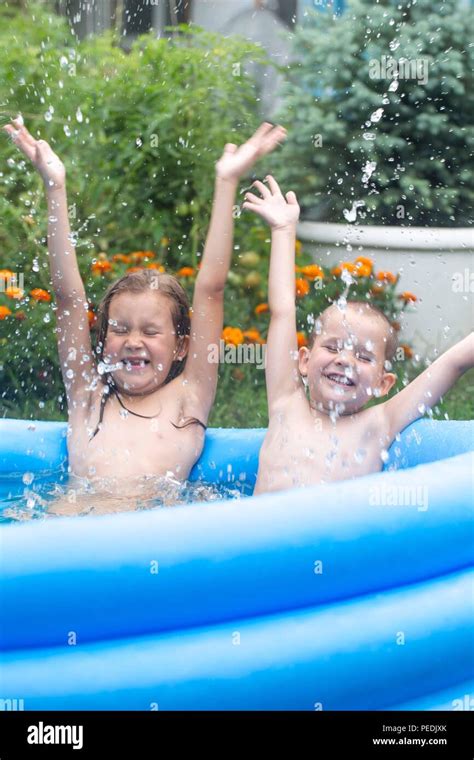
349	596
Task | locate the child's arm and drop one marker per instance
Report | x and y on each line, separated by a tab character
426	390
282	374
208	302
74	342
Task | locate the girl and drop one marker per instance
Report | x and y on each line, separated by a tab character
143	408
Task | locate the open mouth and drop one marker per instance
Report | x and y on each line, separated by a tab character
341	380
134	363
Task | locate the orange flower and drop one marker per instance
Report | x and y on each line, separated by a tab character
134	269
154	265
387	277
14	292
347	265
298	247
376	290
6	274
252	336
261	308
121	257
312	272
302	287
140	255
406	350
364	260
92	317
4	312
185	272
302	339
408	297
233	335
362	270
101	266
40	295
20	315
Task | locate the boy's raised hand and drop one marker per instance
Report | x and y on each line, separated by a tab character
43	158
278	211
236	161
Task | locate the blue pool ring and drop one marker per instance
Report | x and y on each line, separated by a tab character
336	597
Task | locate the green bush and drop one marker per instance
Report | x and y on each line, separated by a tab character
424	138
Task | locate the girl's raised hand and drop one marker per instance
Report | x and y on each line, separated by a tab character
278	211
236	161
43	158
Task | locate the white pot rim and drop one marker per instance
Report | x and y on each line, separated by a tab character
412	238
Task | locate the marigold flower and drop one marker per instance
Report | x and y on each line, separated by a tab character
92	317
14	292
302	339
134	269
364	260
252	336
362	270
312	272
101	266
6	274
347	265
4	312
185	272
408	297
261	308
302	287
40	295
122	257
406	350
20	315
154	265
140	255
376	290
387	277
233	335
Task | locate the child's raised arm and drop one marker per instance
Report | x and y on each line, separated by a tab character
73	333
208	302
282	375
426	390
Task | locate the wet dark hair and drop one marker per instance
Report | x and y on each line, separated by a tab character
391	342
143	281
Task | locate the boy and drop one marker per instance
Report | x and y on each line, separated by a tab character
331	435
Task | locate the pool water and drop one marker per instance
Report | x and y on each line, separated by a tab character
41	496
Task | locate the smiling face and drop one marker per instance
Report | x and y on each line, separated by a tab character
141	334
345	366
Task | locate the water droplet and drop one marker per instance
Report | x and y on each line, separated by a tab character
351	215
138	142
47	318
28	478
369	136
376	115
70	374
67	130
123	413
393	86
79	115
384	455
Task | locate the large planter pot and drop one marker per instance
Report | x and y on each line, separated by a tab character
434	263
